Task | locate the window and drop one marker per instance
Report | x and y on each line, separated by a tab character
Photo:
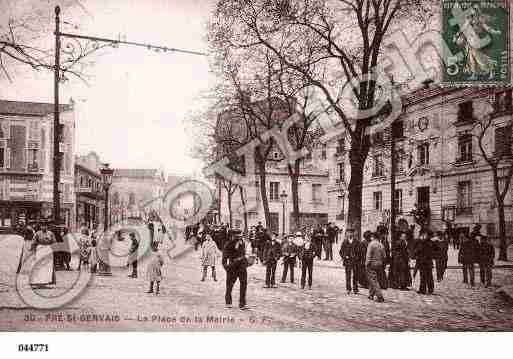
308	155
2	159
378	201
464	199
323	152
423	154
341	172
316	192
340	145
398	200
503	141
33	130
257	190
465	148
503	101
32	160
398	129
81	181
274	188
275	155
131	199
465	111
378	166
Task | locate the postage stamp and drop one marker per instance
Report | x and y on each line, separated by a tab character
476	48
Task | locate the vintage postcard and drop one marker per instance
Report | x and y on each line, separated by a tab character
236	166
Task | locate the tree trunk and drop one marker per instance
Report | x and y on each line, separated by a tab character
263	192
230	211
245	212
220	195
294	184
503	245
357	157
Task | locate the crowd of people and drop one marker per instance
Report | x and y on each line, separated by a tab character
373	262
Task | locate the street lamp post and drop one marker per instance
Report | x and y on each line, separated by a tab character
106	173
107	182
283	197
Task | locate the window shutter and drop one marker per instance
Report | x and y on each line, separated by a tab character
41	160
7	157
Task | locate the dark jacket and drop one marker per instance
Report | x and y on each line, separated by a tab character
442	248
332	233
272	252
234	255
317	235
425	253
352	252
289	249
486	253
307	254
469	252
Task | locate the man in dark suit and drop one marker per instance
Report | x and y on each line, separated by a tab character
317	237
351	252
235	263
307	253
272	254
331	234
425	254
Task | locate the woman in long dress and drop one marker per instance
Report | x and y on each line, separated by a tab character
38	258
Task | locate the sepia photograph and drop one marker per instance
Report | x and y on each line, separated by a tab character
259	166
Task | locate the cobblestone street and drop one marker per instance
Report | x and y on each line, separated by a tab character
186	303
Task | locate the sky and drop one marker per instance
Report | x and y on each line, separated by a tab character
134	108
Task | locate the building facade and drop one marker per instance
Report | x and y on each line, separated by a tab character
136	192
26	162
90	195
439	164
312	190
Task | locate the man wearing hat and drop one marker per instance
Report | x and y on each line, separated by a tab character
289	252
272	254
235	263
351	252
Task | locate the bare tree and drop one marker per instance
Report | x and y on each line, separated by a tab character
24	42
500	160
327	42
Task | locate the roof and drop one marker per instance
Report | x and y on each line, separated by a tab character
29	108
136	172
425	94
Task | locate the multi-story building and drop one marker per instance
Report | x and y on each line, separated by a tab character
90	195
136	192
312	180
439	161
312	190
26	162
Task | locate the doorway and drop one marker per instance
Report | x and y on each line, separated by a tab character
423	197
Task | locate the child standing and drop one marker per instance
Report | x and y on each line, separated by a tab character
155	270
209	254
